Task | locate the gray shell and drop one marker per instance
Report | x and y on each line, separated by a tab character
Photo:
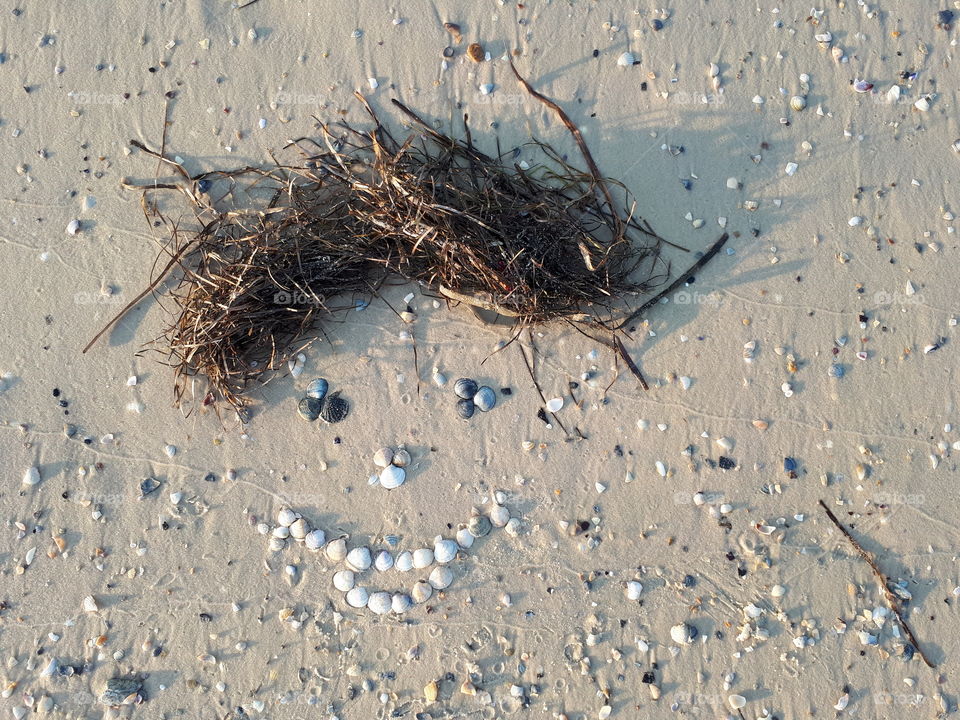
118	690
334	409
317	389
465	388
485	398
479	525
309	408
465	408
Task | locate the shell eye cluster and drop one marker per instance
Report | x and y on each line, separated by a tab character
473	397
431	564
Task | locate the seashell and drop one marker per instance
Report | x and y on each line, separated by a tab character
554	404
798	103
336	550
422	558
299	529
626	60
309	408
476	53
444	551
464	538
401	458
683	633
513	527
344	580
357	597
384	561
359	559
714	70
430	691
499	515
281	532
315	539
465	388
485	399
824	37
392	477
923	104
73	227
383	457
277	544
380	602
862	86
296	364
391	540
633	590
736	701
119	691
317	389
479	526
404	561
400	603
147	486
421	592
440	578
465	408
31	476
335	409
286	517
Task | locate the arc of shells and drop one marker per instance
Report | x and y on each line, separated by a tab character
360	559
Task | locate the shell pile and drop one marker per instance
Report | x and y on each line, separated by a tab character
432	564
317	404
391	464
473	397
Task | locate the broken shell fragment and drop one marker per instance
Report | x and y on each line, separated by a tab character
683	633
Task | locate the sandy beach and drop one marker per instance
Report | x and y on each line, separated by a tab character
659	553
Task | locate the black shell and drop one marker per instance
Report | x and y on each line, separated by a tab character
465	408
335	409
309	408
465	388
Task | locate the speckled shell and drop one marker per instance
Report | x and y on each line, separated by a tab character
335	409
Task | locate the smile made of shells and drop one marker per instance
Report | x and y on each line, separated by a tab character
358	560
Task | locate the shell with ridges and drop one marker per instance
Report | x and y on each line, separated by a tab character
444	551
384	561
380	603
336	550
440	577
404	561
485	399
465	388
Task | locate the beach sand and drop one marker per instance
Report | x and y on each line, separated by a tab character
189	598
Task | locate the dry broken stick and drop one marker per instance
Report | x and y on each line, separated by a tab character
892	599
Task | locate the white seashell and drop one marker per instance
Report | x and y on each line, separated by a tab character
842	702
790	169
683	634
281	532
554	404
421	592
404	561
485	398
513	527
384	561
798	102
633	590
299	529
285	517
464	538
736	701
626	60
336	550
383	457
400	603
499	515
380	602
277	544
422	558
359	559
344	580
444	551
73	227
439	379
31	476
824	37
661	468
714	70
315	539
725	443
295	364
855	221
392	477
357	597
923	104
441	577
893	94
90	604
401	458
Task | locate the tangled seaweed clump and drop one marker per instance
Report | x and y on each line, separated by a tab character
253	286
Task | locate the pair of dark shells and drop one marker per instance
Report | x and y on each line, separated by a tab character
317	404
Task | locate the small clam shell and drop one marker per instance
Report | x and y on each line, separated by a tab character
466	408
277	544
336	550
422	558
465	388
335	409
464	538
309	408
383	457
479	526
392	477
359	559
317	389
798	102
357	597
626	60
440	577
31	476
380	602
401	458
315	539
344	580
421	592
404	561
513	527
299	529
485	399
499	515
444	551
286	517
400	603
683	633
633	590
281	532
384	561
